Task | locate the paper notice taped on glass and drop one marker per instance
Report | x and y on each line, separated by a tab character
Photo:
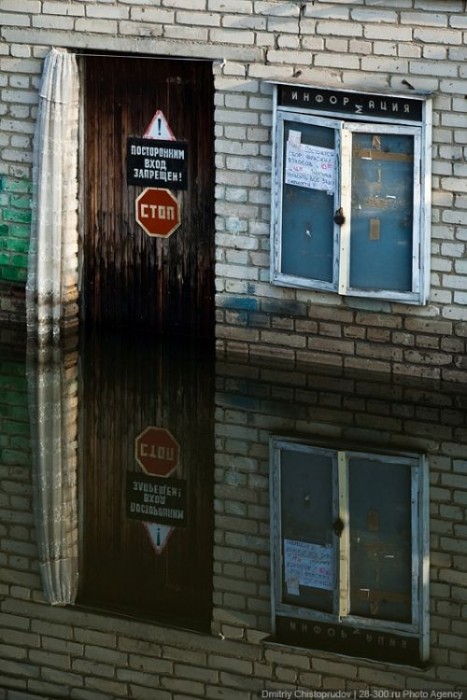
295	138
310	166
308	565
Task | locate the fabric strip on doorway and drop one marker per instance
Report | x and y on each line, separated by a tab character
51	289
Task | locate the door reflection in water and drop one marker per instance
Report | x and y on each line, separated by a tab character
133	561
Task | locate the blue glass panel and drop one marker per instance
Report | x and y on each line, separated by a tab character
382	212
380	540
307	216
306	515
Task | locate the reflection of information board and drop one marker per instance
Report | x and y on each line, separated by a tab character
307	564
309	166
346	639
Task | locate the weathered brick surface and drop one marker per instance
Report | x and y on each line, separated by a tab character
357	45
253	42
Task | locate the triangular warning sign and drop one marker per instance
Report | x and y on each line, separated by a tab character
159	128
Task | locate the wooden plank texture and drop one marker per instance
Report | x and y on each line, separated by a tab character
129	278
130	384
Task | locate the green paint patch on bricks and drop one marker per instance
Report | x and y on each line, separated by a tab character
14	398
15	220
17	215
19	230
17	245
12	381
13	274
22	202
14	457
20	261
15	186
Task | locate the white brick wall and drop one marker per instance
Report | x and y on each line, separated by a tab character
334	408
355	44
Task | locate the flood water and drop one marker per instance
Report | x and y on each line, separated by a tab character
155	479
132	418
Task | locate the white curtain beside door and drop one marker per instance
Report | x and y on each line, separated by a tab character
52	283
52	286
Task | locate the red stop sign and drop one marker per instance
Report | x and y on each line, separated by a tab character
157	212
157	451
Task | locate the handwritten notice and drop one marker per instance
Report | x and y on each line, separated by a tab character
307	564
310	166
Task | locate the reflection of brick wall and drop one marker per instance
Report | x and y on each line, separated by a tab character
14	417
18	572
254	402
67	652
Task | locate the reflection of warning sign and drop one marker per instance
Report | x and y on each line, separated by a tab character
156	499
157	451
152	498
158	534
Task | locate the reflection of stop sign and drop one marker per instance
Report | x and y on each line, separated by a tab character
157	451
157	212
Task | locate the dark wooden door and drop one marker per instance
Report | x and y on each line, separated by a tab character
131	279
130	384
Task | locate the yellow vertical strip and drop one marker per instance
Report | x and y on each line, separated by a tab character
344	540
